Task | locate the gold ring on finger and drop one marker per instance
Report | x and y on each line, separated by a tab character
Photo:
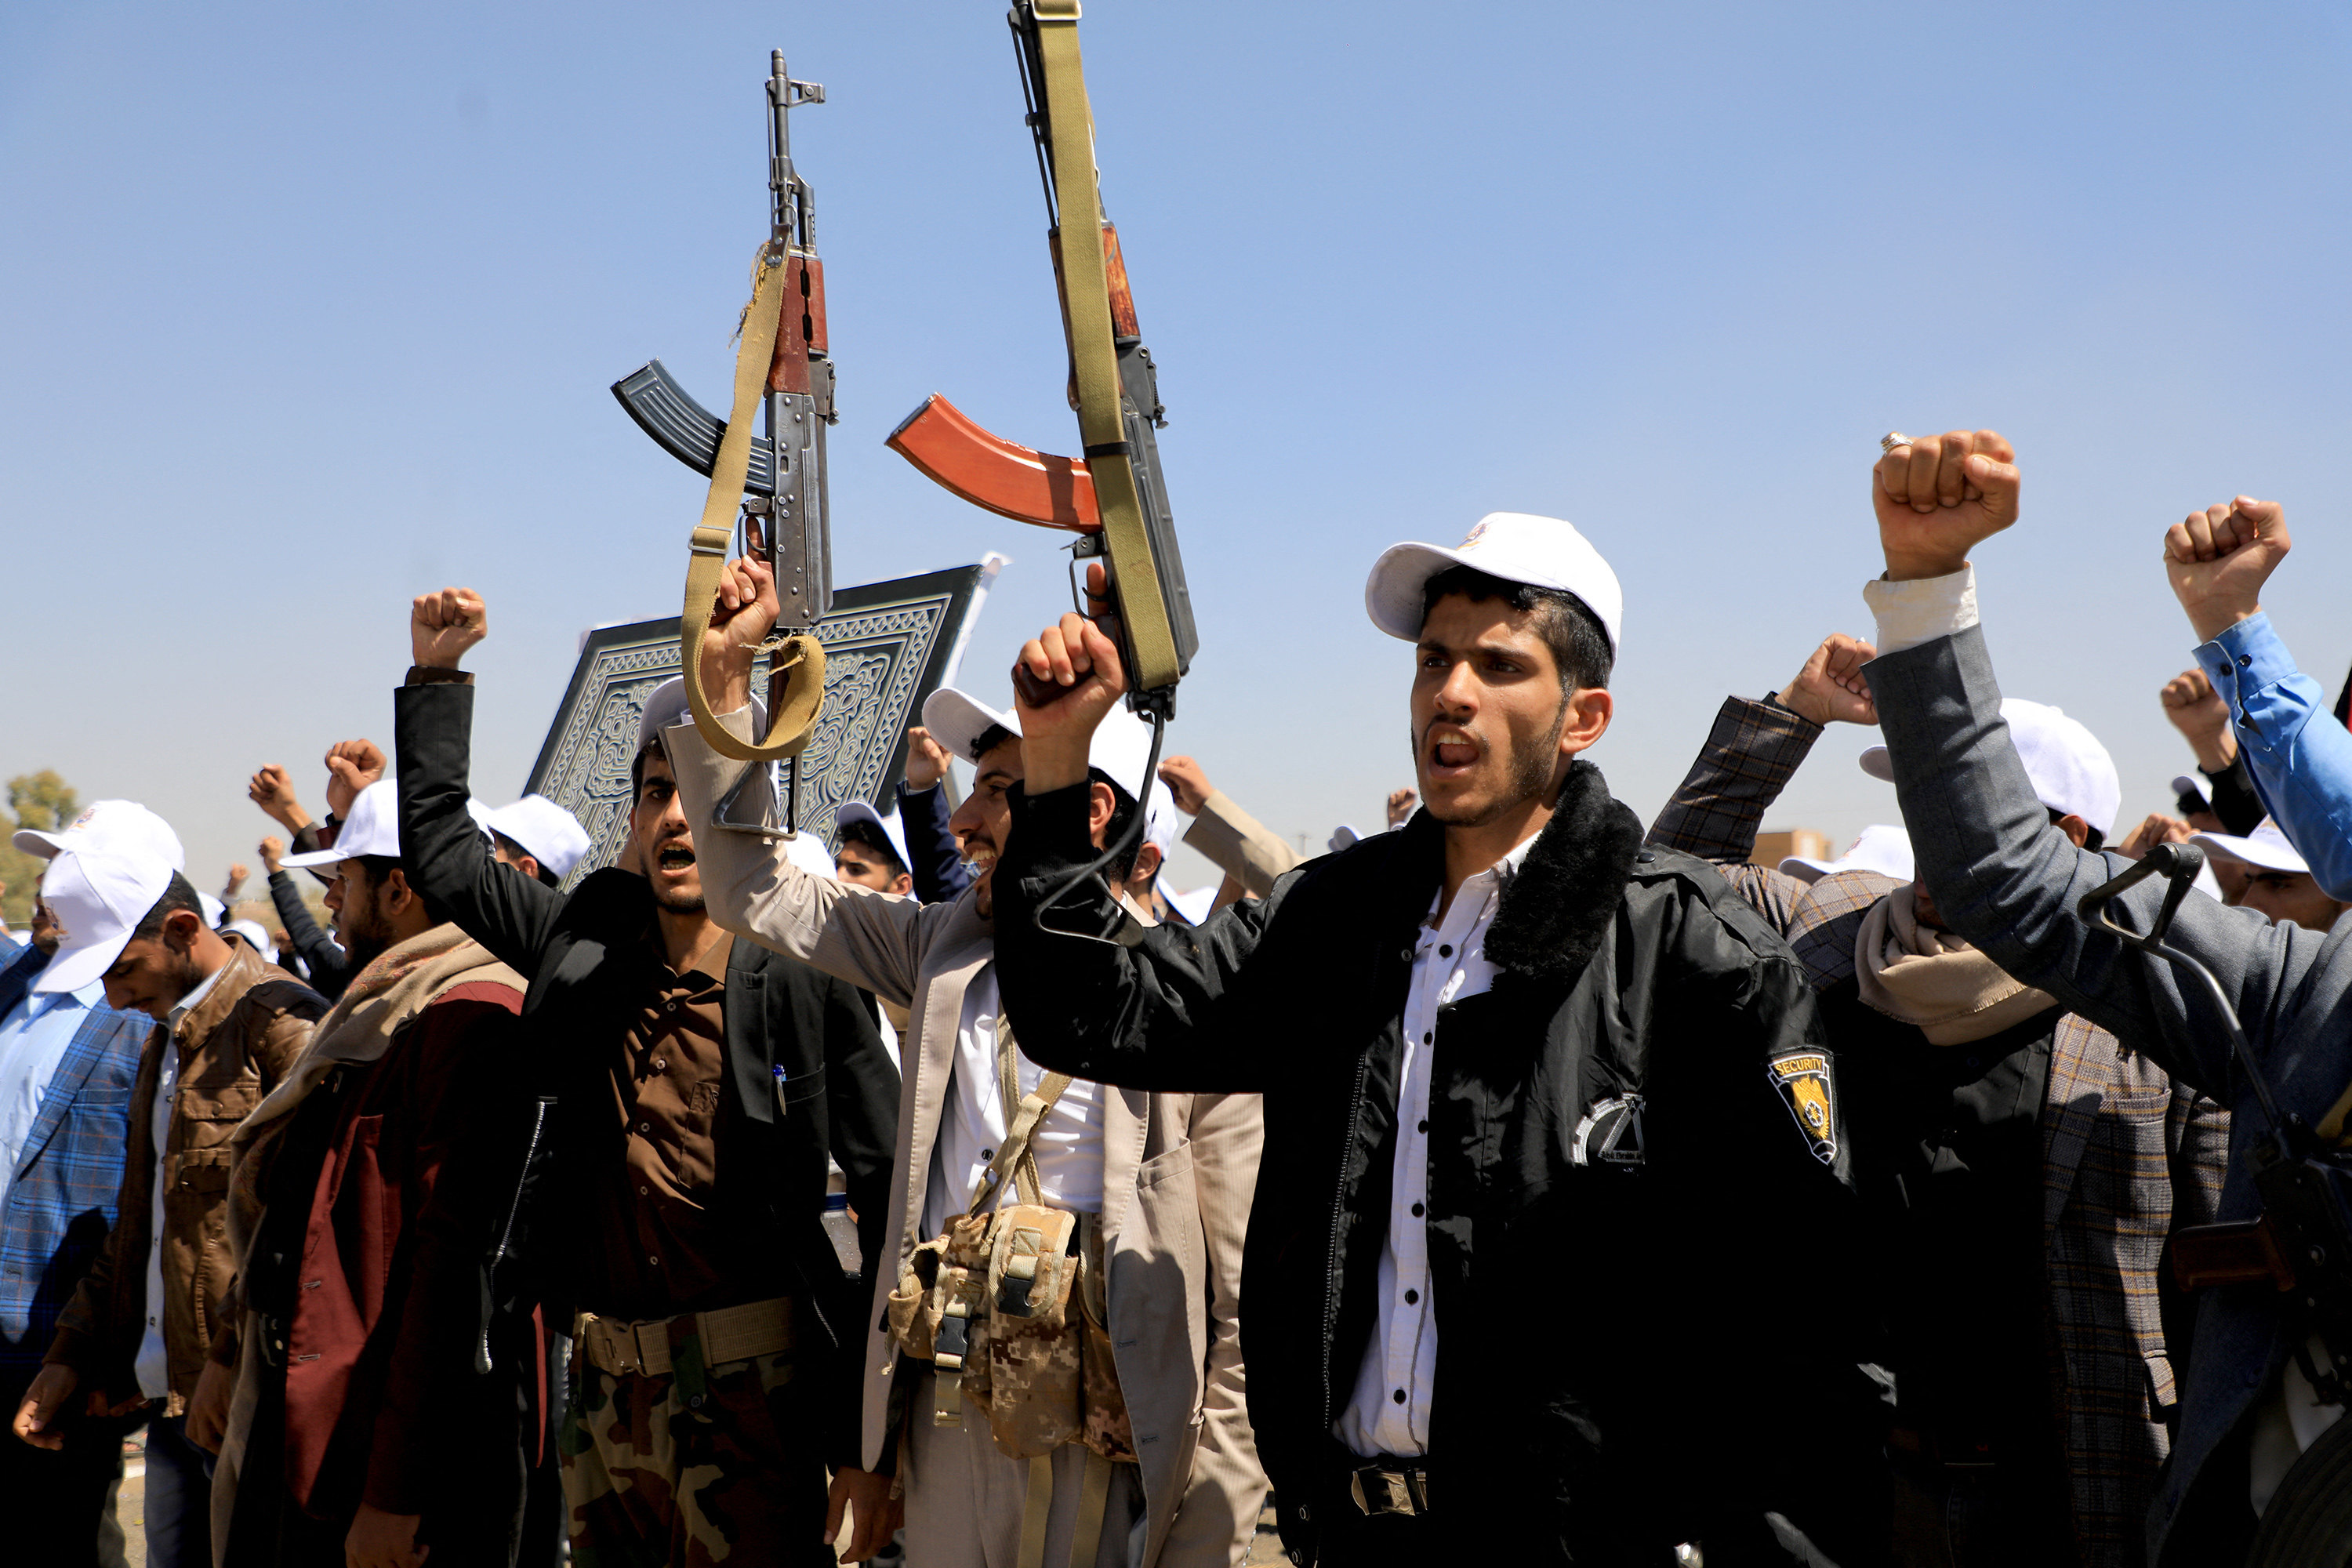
1892	439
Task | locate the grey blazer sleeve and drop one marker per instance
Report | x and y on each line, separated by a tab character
2009	881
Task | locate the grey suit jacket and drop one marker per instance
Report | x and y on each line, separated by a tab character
1178	1170
2009	881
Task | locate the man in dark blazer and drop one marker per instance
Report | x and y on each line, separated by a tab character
695	1088
64	1168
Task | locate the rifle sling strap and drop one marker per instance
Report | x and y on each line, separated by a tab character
795	699
1094	354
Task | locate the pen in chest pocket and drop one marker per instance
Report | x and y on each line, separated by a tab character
780	1094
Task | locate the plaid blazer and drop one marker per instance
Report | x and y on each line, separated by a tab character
61	1196
2126	1156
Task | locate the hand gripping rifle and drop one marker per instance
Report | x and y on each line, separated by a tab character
2301	1244
777	482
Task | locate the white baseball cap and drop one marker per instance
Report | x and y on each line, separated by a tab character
254	937
1343	836
1517	547
1195	906
215	913
667	707
957	720
1878	848
114	827
98	898
371	828
807	851
893	831
2071	773
551	835
2266	847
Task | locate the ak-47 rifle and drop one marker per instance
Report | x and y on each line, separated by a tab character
777	482
1113	496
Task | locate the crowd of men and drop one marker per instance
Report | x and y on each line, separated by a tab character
960	1193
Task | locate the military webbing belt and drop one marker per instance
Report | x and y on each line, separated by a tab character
1094	356
793	708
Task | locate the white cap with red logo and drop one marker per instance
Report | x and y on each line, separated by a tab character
111	826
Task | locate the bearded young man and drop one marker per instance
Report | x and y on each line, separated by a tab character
1547	1240
677	1201
362	1428
1158	1182
140	1327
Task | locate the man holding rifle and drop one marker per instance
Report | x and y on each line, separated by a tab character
1549	1236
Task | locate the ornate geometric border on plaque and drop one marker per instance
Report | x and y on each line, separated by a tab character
887	646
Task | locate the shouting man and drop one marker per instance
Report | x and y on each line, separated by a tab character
1552	1137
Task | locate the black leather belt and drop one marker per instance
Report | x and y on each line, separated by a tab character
1397	1486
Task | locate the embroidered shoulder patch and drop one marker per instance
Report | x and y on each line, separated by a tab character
1805	1086
1610	1133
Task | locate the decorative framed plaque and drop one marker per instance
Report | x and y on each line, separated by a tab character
887	646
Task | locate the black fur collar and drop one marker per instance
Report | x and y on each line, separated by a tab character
1559	906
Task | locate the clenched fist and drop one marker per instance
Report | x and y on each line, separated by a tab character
1401	806
2219	559
1940	496
1188	781
742	614
2199	712
927	761
272	791
272	850
1830	687
443	626
1077	669
352	766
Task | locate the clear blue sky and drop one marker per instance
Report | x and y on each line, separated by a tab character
311	307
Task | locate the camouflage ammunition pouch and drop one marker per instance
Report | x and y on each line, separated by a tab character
1010	1305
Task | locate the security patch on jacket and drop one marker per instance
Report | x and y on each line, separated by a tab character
1806	1087
1610	1133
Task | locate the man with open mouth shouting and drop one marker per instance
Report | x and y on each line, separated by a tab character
675	1196
1547	1233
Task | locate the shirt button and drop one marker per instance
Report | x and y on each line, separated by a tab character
1416	1211
988	1153
1398	1396
659	1064
642	1127
1413	1298
1445	952
1423	1125
670	1005
1427	1036
653	1263
2245	661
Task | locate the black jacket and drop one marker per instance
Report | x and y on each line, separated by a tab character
1631	1355
842	1098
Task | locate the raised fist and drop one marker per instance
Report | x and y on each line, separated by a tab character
1401	804
1830	687
2202	717
1073	681
352	766
1188	781
742	614
443	626
927	760
272	850
2219	559
274	793
1938	497
2157	828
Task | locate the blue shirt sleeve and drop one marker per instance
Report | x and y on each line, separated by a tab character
934	861
2299	756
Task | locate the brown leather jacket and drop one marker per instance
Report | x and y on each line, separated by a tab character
233	1045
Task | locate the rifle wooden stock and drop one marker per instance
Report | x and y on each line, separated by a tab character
1006	478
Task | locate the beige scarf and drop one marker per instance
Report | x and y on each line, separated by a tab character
1932	979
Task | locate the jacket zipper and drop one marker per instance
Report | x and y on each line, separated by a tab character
506	1231
1338	1210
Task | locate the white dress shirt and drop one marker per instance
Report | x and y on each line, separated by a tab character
154	1365
1389	1411
1068	1144
33	1040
